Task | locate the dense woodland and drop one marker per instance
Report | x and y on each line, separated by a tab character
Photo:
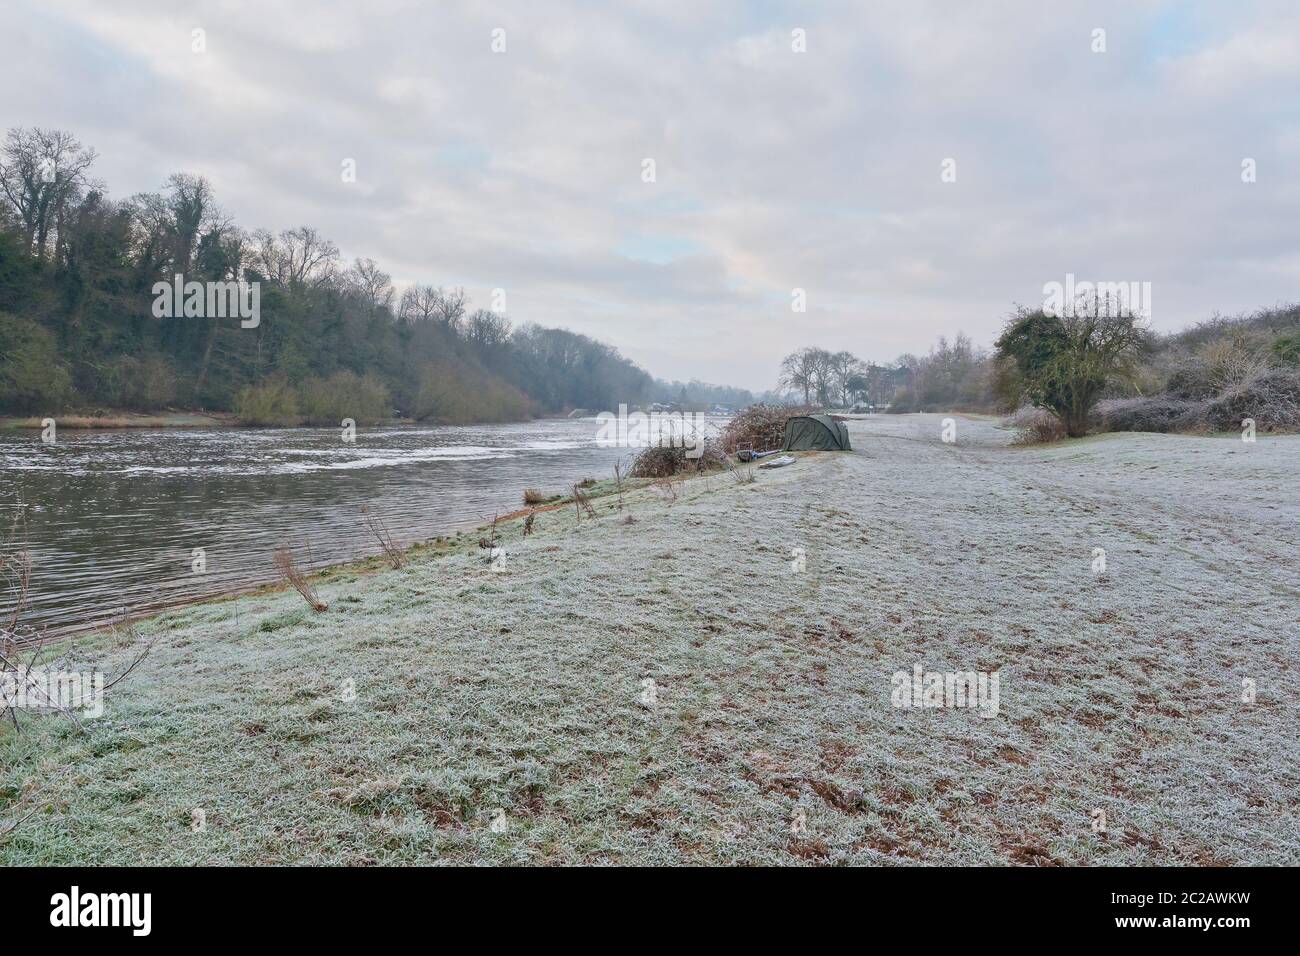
77	329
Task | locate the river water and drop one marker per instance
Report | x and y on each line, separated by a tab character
113	517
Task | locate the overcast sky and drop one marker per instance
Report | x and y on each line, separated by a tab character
775	169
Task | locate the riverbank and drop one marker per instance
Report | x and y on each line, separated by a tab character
127	419
713	682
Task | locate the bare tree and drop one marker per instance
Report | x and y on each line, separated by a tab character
419	304
822	373
424	303
796	374
809	370
296	257
42	173
487	330
372	285
451	306
844	368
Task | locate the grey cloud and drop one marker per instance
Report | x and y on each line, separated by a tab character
817	170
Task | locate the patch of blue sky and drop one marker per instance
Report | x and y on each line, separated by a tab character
660	250
464	155
1176	30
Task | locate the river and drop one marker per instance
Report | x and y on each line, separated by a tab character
113	517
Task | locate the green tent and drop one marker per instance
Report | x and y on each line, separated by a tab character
815	433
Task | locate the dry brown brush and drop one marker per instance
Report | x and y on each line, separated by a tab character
288	568
379	531
662	461
760	427
1036	426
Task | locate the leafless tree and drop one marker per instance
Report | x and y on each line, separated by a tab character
371	284
845	368
808	370
450	310
296	257
42	174
487	330
419	304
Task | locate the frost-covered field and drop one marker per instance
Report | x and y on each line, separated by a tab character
768	734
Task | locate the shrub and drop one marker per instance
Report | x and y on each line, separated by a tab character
452	395
273	403
656	462
1287	349
1190	381
288	568
1229	362
534	496
32	378
1161	413
1271	398
157	383
1065	363
344	395
1036	426
664	462
140	382
761	427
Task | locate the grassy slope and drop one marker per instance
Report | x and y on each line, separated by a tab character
521	690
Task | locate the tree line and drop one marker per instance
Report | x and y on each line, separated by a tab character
1062	365
77	269
839	378
1096	364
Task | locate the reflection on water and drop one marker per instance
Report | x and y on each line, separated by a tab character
113	517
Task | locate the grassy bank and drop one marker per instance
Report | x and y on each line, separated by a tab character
428	702
126	419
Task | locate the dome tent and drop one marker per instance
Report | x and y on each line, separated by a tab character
815	433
